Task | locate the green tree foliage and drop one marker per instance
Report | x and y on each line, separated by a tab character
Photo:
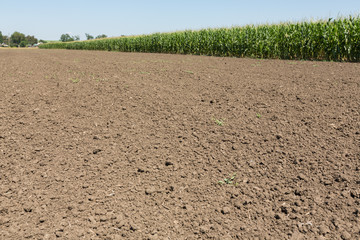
88	36
17	38
23	44
31	40
5	39
101	36
67	38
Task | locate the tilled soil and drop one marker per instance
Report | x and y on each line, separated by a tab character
106	145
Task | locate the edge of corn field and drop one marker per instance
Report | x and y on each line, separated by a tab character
332	40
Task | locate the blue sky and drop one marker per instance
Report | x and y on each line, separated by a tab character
49	19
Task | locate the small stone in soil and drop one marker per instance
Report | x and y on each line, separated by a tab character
96	151
47	236
167	163
27	209
225	210
346	236
150	190
189	208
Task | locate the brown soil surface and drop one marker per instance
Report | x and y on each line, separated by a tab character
105	145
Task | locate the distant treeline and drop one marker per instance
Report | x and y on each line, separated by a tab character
332	39
67	38
18	39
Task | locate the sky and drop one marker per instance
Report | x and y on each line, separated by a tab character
47	20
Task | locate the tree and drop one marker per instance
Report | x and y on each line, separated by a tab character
6	39
17	38
101	36
31	40
23	44
1	38
88	36
66	38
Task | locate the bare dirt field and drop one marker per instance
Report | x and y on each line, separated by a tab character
107	145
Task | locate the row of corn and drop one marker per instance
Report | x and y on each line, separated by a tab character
333	39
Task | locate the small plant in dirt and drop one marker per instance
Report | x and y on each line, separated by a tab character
191	72
229	181
101	80
75	80
258	115
219	122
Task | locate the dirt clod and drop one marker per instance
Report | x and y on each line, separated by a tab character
150	190
346	236
96	151
226	210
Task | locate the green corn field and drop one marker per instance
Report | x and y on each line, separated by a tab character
332	40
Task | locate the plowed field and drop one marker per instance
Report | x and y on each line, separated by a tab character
106	145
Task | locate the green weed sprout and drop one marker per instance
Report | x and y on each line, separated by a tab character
219	122
229	181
